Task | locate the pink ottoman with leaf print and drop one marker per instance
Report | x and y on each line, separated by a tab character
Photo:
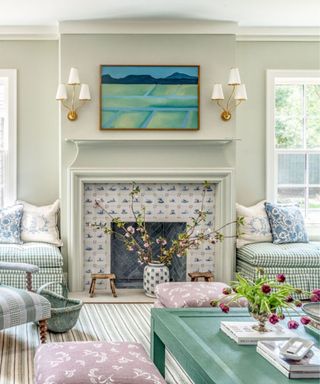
94	362
192	295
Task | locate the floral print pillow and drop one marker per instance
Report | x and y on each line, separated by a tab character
287	224
10	224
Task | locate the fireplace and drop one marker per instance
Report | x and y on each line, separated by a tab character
125	265
172	199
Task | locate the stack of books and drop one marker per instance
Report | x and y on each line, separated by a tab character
243	333
307	368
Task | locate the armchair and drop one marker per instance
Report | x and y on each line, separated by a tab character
18	306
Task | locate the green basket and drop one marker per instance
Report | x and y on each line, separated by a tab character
64	312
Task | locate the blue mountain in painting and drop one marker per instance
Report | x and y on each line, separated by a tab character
175	78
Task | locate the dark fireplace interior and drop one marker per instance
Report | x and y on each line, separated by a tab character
125	265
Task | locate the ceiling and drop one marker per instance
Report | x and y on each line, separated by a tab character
248	13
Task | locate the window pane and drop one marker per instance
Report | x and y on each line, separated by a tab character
313	215
291	196
291	168
312	100
289	132
289	100
313	132
314	168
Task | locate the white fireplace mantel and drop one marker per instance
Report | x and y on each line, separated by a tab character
223	178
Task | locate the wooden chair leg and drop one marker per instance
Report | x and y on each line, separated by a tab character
29	281
43	331
113	288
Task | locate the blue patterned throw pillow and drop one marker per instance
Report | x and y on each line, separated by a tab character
287	224
10	224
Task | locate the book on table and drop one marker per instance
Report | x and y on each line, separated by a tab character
243	333
307	368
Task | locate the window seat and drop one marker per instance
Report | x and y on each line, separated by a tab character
46	256
300	262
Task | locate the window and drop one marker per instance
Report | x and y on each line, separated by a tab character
293	142
8	123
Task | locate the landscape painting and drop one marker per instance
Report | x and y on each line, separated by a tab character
149	97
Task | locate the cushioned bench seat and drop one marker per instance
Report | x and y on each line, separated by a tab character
276	255
46	256
300	262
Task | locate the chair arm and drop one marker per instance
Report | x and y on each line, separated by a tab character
29	268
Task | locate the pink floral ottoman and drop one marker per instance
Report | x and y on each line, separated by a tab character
191	295
94	362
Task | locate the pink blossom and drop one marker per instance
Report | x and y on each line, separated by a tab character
314	298
158	241
292	324
227	291
281	316
130	229
281	278
265	288
146	245
289	299
305	320
273	319
316	292
224	308
127	234
298	303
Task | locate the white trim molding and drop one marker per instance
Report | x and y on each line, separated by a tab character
223	178
10	150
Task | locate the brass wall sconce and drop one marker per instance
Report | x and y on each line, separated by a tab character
238	94
62	94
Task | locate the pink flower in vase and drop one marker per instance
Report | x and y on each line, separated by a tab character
316	292
292	324
289	299
266	288
298	303
227	291
305	320
224	308
273	319
281	278
315	298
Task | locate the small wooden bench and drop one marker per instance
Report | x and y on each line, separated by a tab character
195	276
105	276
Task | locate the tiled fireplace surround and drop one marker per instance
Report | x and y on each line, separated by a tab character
179	189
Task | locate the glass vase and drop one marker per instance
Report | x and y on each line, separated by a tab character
261	317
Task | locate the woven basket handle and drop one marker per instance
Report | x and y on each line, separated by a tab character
46	285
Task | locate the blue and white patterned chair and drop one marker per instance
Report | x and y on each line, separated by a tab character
18	306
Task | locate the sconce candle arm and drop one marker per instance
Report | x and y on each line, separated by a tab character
230	98
237	102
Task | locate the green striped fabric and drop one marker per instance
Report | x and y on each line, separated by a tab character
20	307
40	254
305	278
281	255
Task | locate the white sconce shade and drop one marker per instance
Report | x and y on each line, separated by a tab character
61	92
217	92
84	92
241	92
74	76
234	77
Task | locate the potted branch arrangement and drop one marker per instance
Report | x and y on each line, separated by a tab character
138	241
269	300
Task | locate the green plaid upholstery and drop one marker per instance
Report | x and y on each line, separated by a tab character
305	278
40	254
18	279
281	255
20	307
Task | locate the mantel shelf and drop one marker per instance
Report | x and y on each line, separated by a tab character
222	141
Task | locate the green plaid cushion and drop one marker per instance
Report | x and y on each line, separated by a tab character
304	278
40	254
281	255
45	275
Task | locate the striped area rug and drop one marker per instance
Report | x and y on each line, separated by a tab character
97	322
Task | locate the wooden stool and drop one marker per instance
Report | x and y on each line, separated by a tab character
95	276
195	276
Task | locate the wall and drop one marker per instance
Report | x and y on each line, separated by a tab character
38	128
253	59
214	53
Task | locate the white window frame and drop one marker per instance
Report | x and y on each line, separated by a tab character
271	154
10	160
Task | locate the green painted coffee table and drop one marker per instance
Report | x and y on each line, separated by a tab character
208	356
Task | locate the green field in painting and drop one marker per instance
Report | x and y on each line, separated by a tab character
149	106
